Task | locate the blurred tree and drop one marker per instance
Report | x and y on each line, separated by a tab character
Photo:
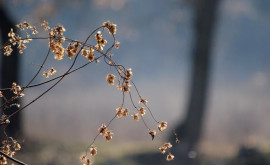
190	129
9	72
250	156
10	65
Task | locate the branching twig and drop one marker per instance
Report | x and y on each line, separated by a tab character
56	39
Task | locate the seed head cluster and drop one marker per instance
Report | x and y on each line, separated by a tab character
9	147
72	49
170	157
163	149
93	150
49	73
110	79
15	39
142	111
105	132
111	27
136	116
45	25
108	135
89	54
162	126
102	129
101	42
17	89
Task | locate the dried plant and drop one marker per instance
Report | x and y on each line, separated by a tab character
59	45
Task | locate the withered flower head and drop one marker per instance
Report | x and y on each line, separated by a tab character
93	150
52	71
162	126
170	157
102	129
16	89
45	25
119	112
85	52
164	147
153	134
125	112
128	73
69	51
46	74
16	146
143	101
108	135
3	160
58	48
99	47
89	54
117	44
6	148
110	79
59	29
91	57
7	121
162	150
125	88
11	33
135	116
111	27
102	41
75	47
88	162
167	145
142	111
25	24
98	36
34	30
7	50
82	158
20	26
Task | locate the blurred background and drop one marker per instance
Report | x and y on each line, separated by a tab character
203	65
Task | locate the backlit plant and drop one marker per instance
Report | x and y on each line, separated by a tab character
59	46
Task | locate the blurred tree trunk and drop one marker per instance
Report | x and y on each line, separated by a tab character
9	72
190	130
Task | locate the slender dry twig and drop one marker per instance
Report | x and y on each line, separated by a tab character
12	159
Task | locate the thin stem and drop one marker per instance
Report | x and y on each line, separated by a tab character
11	158
74	61
138	111
16	96
45	82
99	134
145	104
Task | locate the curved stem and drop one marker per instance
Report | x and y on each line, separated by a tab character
16	96
74	61
11	158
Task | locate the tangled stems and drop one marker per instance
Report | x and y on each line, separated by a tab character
74	48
